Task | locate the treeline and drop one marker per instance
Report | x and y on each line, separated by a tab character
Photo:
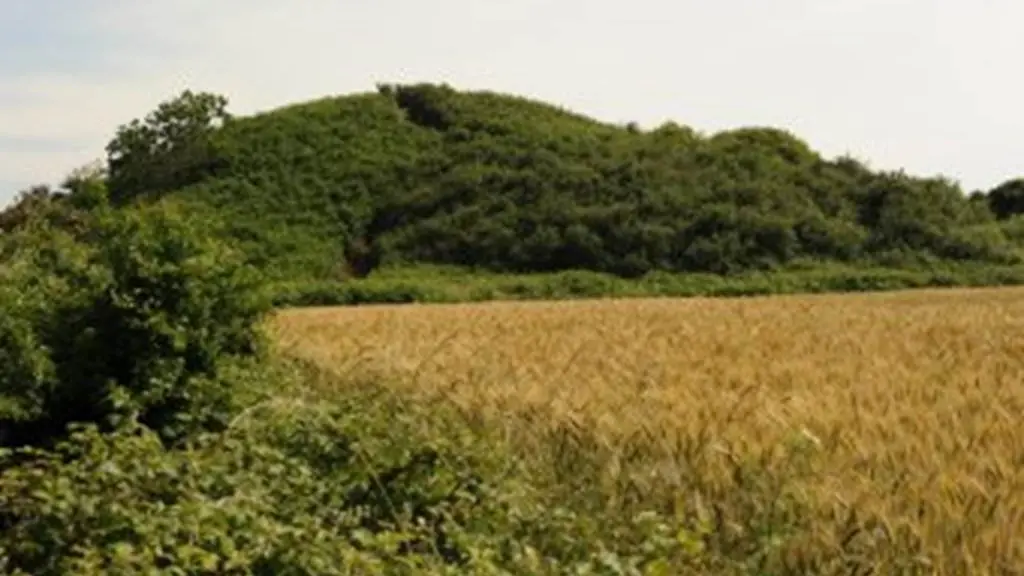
428	174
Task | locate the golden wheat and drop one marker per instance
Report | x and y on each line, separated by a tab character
909	403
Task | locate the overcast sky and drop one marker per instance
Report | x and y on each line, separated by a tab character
932	86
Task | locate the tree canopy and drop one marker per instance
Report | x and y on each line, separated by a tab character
426	173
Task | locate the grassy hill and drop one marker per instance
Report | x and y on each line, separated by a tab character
429	175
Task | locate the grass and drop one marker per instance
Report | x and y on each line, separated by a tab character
441	284
798	434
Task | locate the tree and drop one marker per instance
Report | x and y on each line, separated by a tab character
32	204
1007	199
171	147
82	190
87	186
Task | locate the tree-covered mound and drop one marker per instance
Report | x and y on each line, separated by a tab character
427	174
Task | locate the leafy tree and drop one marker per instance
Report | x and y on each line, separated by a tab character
170	148
30	204
1007	199
87	186
83	190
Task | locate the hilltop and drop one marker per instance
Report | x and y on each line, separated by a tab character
428	174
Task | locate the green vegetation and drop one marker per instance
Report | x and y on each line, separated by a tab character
147	425
426	176
138	315
431	284
146	428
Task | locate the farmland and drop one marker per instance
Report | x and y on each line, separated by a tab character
459	425
883	427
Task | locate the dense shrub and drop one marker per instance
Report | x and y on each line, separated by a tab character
416	174
290	490
362	483
1007	199
137	315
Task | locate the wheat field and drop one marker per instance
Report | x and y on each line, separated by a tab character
894	419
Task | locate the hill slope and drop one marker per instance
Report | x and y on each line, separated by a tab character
430	174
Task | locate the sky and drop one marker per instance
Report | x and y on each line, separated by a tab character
929	86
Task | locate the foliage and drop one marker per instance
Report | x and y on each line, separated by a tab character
1007	199
82	191
361	484
138	315
35	205
429	284
127	354
168	149
151	431
427	174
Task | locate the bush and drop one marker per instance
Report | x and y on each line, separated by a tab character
296	489
139	315
366	483
431	175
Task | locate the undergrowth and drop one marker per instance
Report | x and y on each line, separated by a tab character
335	477
426	284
